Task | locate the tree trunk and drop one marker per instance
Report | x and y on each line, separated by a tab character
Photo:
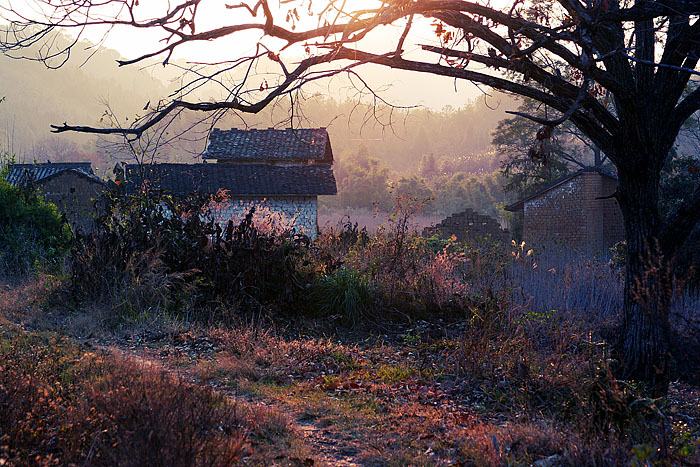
644	341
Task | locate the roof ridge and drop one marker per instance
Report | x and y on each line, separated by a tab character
43	170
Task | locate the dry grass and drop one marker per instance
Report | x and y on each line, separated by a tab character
63	404
19	298
530	391
512	369
505	387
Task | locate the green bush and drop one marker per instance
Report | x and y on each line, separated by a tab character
345	292
33	235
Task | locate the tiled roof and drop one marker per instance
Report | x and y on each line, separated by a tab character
308	144
237	179
519	205
18	173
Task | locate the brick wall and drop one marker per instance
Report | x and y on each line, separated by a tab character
570	214
614	226
556	216
592	189
75	196
298	212
468	225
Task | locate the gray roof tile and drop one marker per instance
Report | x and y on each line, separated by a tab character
308	144
237	179
18	173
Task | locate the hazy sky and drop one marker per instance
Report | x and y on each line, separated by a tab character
406	88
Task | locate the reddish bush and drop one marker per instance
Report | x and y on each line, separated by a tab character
59	405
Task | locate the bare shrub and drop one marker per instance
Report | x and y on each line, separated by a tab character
409	274
151	250
60	405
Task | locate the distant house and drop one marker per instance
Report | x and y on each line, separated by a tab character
577	211
280	172
71	186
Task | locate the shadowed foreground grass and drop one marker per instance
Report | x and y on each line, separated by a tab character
68	404
499	386
391	350
408	400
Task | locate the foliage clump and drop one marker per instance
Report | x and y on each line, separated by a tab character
346	292
33	235
154	251
396	273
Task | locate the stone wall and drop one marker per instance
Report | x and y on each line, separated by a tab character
571	215
76	196
276	213
468	225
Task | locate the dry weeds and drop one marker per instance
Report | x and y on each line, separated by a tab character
504	383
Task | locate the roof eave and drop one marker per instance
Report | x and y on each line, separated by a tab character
520	204
291	195
78	172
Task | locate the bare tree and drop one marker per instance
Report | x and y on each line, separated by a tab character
567	54
53	149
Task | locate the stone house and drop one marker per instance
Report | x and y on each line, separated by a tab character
577	211
71	186
280	172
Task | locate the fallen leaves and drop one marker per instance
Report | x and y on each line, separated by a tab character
347	386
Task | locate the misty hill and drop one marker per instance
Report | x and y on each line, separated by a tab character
37	97
81	90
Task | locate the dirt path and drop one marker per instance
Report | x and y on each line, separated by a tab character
327	446
372	399
322	443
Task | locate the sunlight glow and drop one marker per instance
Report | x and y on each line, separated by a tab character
132	42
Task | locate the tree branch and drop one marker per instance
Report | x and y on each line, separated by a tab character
557	85
234	104
567	115
684	110
601	137
642	11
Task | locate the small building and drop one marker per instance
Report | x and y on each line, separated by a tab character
578	211
468	225
279	172
71	186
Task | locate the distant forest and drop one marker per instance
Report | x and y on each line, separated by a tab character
379	151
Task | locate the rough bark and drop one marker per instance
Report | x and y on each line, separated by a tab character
645	334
